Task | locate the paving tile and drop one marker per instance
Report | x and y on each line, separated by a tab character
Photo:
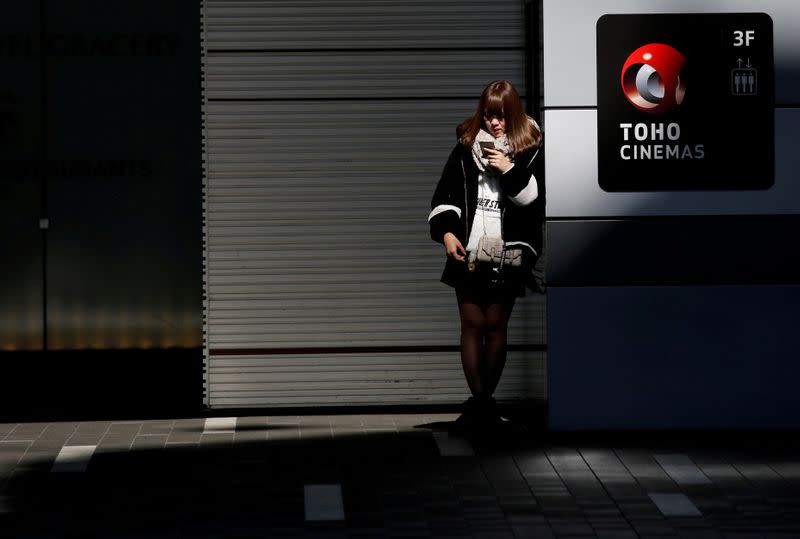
195	424
12	450
378	420
73	459
248	423
650	528
439	418
184	437
519	505
43	444
681	469
323	502
724	476
502	471
181	446
115	444
149	441
699	534
37	459
320	432
10	455
122	430
494	533
26	432
762	476
671	504
607	523
85	439
571	527
713	502
6	428
346	420
407	420
163	427
588	493
643	467
344	432
601	511
217	439
220	425
528	513
617	533
283	432
529	532
453	446
93	427
614	476
59	431
246	436
788	469
378	431
542	479
284	420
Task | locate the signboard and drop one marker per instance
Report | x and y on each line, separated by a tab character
685	102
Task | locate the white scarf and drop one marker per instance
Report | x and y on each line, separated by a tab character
500	143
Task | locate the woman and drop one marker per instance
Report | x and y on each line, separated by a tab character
491	188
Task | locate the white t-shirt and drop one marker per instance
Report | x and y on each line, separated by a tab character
487	215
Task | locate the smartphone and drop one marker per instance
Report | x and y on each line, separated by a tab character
484	146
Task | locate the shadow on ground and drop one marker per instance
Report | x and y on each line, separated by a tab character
393	483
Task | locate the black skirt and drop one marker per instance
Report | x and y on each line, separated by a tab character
485	279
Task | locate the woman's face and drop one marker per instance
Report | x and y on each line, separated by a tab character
495	124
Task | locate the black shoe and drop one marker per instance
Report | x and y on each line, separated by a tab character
479	416
488	414
469	419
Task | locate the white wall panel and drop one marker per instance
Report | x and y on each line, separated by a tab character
570	42
573	189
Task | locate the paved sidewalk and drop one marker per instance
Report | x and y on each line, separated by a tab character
397	475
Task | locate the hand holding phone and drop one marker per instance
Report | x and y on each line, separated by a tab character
486	145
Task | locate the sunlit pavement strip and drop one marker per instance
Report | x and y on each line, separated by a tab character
682	470
73	458
675	505
220	425
452	447
323	502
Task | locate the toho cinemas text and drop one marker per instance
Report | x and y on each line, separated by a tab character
656	141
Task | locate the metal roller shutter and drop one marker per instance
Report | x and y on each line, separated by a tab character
327	125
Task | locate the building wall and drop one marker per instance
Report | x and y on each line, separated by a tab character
666	309
101	211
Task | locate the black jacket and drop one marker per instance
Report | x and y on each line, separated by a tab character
455	201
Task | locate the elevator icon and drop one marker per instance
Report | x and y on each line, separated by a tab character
744	81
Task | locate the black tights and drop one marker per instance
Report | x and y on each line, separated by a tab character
484	325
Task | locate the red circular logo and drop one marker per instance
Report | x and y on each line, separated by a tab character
651	78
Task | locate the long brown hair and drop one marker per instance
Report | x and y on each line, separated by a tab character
501	98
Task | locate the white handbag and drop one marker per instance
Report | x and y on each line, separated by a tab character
493	251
